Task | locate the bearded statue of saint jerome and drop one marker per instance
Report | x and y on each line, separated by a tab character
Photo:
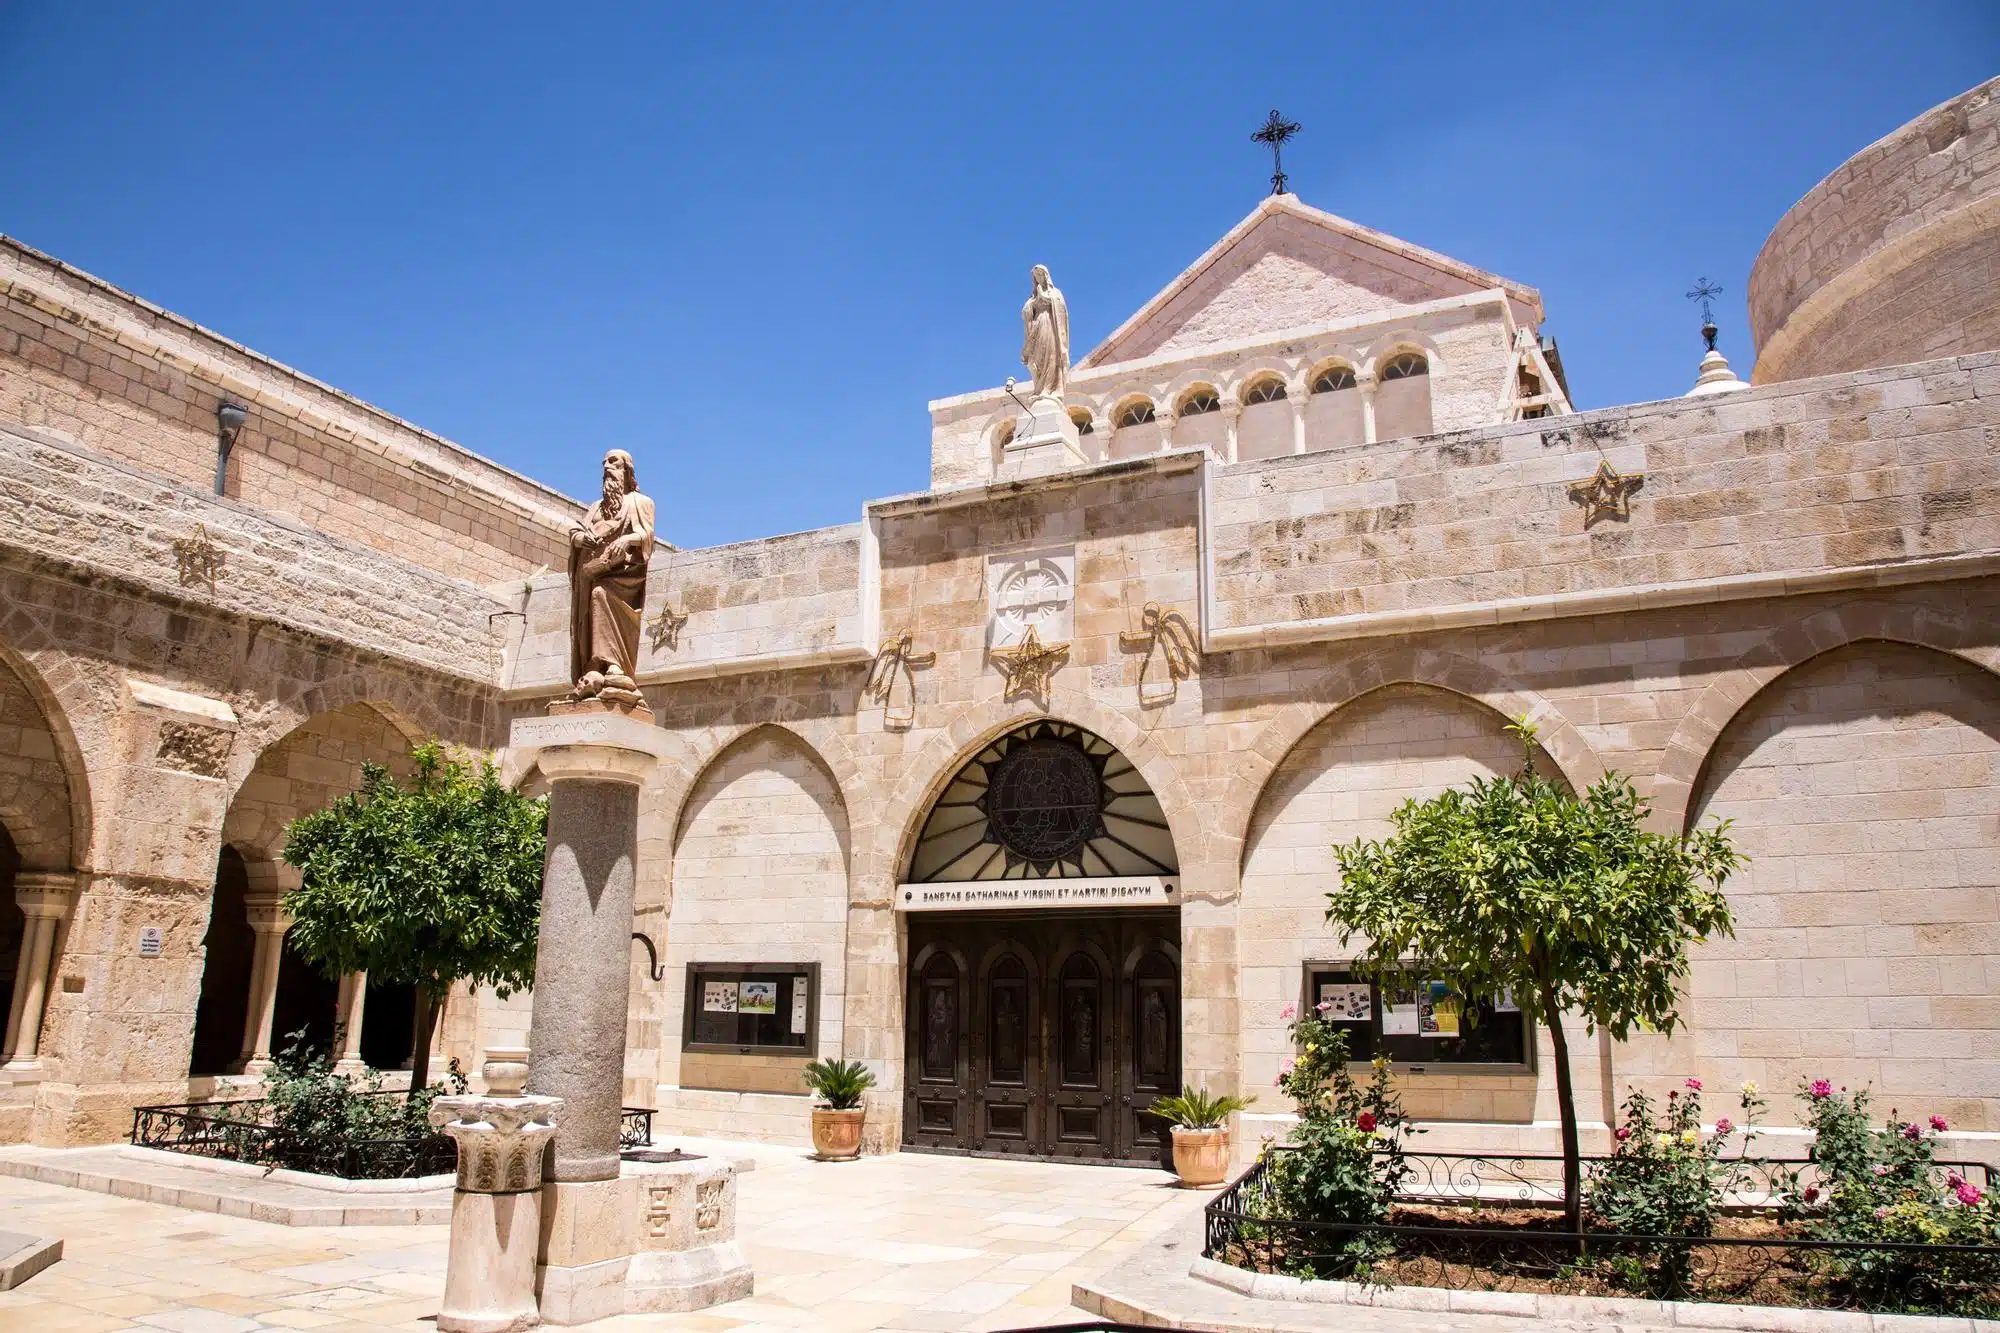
608	552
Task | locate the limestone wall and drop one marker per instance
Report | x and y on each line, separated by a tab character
62	503
1877	469
1894	257
781	601
136	383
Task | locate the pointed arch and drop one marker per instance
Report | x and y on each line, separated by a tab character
1687	750
879	862
61	693
1564	744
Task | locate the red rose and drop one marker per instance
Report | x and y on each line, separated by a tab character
1366	1122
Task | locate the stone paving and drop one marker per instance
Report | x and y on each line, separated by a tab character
899	1242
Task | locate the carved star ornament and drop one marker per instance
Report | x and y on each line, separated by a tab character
1030	664
1606	493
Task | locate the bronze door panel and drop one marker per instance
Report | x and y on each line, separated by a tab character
1043	1036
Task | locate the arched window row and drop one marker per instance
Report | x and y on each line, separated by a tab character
1202	397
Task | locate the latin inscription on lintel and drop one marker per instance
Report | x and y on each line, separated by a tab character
1000	894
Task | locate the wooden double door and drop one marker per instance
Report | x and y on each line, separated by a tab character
1045	1036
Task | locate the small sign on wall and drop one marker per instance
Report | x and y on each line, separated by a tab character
151	940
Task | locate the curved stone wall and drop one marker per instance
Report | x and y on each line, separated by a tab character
1893	258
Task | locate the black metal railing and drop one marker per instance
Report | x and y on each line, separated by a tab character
635	1127
1754	1183
1518	1251
240	1131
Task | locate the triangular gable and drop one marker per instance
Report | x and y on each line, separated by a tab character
1289	266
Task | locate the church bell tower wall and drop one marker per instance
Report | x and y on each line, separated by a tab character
1894	257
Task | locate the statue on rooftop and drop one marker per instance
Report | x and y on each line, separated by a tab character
608	552
1045	347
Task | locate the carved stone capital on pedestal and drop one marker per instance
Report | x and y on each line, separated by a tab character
500	1139
489	1283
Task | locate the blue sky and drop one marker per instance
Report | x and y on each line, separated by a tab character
750	243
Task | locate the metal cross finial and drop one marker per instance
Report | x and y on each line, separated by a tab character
1706	292
1275	132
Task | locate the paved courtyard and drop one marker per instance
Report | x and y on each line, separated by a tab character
900	1242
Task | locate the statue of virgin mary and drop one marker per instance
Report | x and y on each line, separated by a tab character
1045	345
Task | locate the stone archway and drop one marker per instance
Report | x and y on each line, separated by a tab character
1041	905
1340	781
277	992
1863	785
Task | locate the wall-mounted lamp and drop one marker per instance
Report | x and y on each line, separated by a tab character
229	418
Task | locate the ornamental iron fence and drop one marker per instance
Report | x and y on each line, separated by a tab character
1459	1247
240	1131
1756	1184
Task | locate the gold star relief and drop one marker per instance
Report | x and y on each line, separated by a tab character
1030	664
1606	493
665	628
198	559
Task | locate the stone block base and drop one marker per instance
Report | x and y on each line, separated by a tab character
671	1282
659	1238
71	1116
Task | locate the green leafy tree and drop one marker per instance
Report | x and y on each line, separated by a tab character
426	883
1517	886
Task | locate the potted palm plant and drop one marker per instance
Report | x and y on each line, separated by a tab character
836	1125
1200	1123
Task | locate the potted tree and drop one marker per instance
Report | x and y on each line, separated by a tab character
1200	1123
836	1125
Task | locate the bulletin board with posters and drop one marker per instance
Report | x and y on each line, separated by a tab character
751	1008
1420	1023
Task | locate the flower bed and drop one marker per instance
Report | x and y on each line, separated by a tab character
1681	1210
1751	1259
312	1119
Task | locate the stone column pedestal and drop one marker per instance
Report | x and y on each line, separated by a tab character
659	1238
649	1236
46	899
595	760
496	1210
1045	440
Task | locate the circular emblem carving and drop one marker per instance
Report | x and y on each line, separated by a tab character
1044	800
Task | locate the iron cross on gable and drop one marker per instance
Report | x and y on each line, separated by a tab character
1275	132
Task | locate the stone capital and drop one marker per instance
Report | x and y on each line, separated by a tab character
603	747
46	894
267	914
500	1140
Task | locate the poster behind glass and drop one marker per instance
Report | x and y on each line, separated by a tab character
765	1007
1419	1022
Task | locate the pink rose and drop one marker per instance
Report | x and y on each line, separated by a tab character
1324	1007
1821	1089
1622	1134
1912	1133
1289	1012
1938	1124
1882	1169
1285	1071
1969	1194
1694	1085
1723	1126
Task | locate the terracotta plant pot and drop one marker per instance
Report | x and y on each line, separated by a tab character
837	1134
1201	1156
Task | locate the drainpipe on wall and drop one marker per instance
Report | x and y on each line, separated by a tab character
229	418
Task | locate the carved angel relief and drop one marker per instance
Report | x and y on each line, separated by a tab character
1171	653
891	684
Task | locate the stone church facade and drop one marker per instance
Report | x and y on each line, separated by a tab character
1022	788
